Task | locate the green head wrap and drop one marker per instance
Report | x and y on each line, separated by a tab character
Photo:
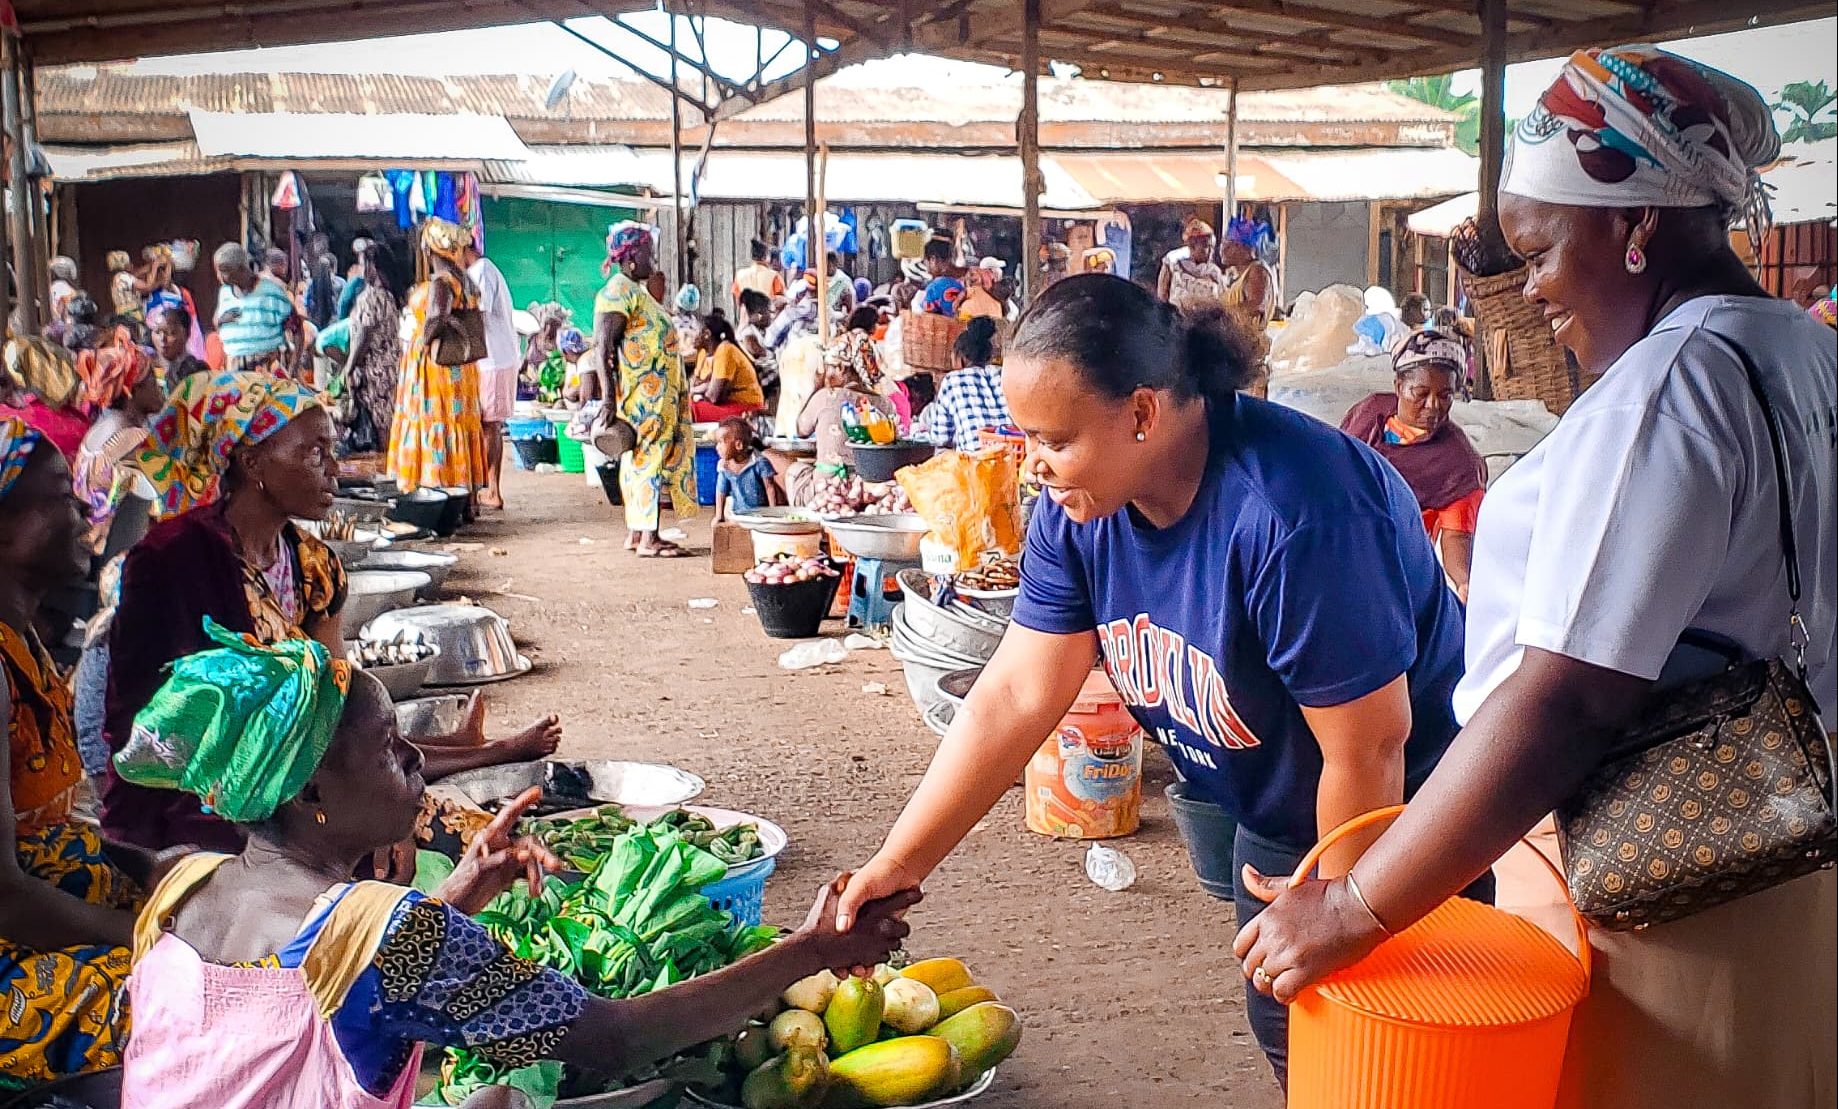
242	726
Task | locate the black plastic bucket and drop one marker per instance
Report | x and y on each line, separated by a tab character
609	482
532	453
1208	831
794	611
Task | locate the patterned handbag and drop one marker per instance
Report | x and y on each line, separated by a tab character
1723	790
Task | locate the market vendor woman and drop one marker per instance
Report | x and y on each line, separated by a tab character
268	978
1258	585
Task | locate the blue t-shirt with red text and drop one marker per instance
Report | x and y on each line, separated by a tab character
1300	576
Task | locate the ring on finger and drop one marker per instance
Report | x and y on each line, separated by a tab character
1261	978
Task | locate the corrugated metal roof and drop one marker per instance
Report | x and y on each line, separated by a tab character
1375	174
108	163
394	138
959	179
572	166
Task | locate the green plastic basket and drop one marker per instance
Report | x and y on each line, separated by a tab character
568	451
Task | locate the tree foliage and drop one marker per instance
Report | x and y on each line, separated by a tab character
1806	112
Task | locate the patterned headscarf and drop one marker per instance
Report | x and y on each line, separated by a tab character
45	369
207	417
112	372
117	260
1431	347
688	299
572	342
446	240
1635	126
17	438
242	726
625	239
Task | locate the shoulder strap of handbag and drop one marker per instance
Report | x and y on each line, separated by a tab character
1797	635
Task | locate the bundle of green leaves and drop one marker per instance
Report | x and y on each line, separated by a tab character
636	923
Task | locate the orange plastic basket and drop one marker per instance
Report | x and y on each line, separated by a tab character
1468	1007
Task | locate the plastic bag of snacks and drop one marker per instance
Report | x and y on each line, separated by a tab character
970	504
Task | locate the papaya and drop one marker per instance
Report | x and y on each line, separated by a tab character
984	1035
955	1002
791	1081
906	1071
854	1015
942	975
752	1047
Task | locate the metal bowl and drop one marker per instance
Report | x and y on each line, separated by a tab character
430	716
976	1089
780	520
371	593
435	564
772	838
792	445
626	784
404	679
423	508
893	536
475	642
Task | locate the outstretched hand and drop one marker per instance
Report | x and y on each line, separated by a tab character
881	877
496	858
875	932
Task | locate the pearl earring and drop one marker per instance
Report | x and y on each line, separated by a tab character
1141	438
1636	260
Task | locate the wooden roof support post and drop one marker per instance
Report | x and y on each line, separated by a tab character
676	154
1028	138
1493	106
810	132
1230	209
19	221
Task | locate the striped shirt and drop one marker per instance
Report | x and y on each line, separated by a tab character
258	327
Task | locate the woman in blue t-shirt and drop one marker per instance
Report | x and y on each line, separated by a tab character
1258	585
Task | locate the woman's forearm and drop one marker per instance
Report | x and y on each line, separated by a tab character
39	916
1529	746
1350	788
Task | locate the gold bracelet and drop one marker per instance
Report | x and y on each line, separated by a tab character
1353	887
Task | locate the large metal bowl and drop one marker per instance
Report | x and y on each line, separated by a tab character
435	564
772	838
975	1090
780	520
371	593
404	679
431	716
893	536
626	784
475	642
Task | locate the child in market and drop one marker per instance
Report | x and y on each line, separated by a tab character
745	479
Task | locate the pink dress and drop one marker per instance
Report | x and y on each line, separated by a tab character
250	1037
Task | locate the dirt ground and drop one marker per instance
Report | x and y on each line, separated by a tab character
1129	999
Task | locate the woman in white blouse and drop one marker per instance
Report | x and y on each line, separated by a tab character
1650	510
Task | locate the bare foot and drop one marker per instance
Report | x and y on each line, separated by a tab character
538	741
472	727
490	501
632	540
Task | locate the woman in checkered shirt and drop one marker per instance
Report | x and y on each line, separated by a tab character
970	399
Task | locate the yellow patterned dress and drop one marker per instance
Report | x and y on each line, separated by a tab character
64	1010
654	399
436	437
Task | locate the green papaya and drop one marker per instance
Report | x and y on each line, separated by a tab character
791	1081
984	1035
752	1047
854	1014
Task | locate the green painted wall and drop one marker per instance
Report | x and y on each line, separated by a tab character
550	251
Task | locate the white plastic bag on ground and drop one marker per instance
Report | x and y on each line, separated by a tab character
1319	331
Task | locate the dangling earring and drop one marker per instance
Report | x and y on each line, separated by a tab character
1636	260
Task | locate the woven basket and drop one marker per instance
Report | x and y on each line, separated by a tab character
926	339
1524	361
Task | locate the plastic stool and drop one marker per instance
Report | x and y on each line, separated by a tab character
869	604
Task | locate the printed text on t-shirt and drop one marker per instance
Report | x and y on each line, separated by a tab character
1155	667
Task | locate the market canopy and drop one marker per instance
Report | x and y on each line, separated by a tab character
1260	43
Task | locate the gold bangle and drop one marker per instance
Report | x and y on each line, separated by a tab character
1353	887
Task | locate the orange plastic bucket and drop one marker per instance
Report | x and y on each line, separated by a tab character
1467	1008
1085	782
